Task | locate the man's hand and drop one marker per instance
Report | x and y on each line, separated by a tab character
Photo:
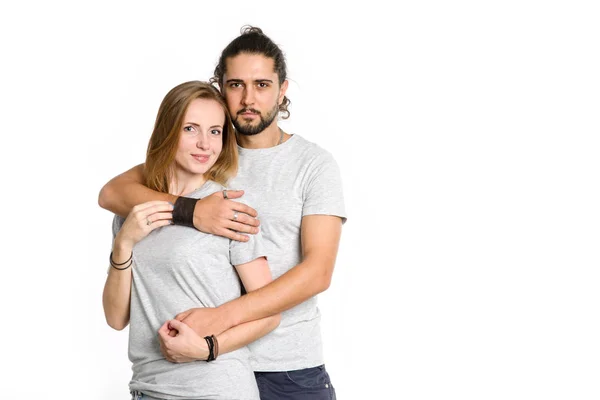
184	345
204	321
223	217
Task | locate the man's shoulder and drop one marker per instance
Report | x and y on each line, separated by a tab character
312	151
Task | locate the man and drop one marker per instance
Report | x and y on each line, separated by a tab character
296	189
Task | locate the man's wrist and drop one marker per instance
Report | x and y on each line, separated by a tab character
229	315
183	211
202	351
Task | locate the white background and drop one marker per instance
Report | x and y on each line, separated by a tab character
467	134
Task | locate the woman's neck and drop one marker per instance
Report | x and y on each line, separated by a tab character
184	184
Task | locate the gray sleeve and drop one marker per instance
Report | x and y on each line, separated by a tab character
116	227
244	252
323	193
117	224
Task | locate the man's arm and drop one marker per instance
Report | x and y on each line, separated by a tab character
320	242
213	214
125	191
181	345
253	275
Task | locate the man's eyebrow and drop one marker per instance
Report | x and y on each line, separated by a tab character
242	81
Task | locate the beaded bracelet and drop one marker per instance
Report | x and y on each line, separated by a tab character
213	347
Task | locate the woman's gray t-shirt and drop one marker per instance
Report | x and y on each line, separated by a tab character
177	268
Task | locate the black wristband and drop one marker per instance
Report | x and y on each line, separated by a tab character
183	211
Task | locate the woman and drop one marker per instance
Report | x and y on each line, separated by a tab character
158	273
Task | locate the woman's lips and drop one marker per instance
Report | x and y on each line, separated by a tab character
201	158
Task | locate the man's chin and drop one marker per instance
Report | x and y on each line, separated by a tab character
247	133
247	129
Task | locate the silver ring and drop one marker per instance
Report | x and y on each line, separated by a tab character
235	215
148	221
225	194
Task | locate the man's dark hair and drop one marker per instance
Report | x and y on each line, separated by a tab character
253	41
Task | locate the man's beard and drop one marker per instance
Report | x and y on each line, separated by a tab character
247	128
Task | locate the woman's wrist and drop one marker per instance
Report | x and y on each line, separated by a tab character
121	249
121	258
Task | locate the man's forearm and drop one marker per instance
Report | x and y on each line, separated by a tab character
290	289
243	334
320	240
127	190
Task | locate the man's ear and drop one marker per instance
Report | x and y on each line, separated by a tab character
282	90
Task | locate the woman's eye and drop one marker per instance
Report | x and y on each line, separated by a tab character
189	129
215	132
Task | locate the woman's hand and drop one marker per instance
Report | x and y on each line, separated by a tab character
185	346
143	219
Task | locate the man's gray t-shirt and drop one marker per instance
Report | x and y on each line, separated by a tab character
285	183
177	268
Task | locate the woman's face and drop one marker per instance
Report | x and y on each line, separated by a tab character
201	138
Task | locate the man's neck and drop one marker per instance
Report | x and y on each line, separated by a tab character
270	137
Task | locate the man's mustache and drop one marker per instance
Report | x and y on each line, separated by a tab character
245	110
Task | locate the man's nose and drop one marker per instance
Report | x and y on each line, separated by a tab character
248	97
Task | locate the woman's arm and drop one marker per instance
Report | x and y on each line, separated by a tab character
117	289
187	345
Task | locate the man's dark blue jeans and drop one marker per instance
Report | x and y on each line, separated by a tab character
302	384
